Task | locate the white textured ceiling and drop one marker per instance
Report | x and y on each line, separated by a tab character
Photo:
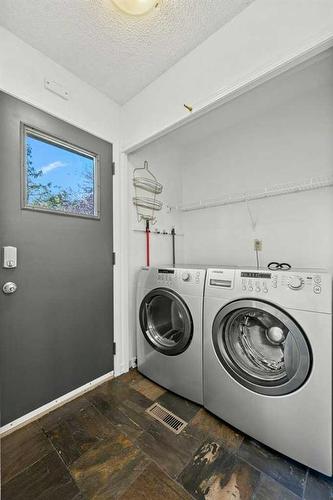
117	54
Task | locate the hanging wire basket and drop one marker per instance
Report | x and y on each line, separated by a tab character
150	185
146	189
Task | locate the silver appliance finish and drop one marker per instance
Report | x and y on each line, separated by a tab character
169	328
268	358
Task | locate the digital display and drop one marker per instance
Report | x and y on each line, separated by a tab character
223	283
166	271
255	275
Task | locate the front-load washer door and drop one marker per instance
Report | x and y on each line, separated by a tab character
262	347
166	321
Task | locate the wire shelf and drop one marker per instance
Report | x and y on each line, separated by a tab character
268	192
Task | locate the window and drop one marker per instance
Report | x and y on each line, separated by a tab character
58	177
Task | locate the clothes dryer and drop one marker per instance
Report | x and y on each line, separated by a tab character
169	328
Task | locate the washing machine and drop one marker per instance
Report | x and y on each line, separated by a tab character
268	358
169	328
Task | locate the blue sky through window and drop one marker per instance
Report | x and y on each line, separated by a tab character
59	178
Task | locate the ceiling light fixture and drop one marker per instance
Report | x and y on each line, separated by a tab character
136	7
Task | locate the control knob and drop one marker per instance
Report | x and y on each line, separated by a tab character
186	276
295	283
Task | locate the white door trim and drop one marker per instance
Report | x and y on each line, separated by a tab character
121	214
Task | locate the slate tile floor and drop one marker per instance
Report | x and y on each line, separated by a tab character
104	446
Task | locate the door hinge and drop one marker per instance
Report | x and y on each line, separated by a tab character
114	348
114	258
113	168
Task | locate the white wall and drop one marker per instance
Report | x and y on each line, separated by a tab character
280	132
164	163
263	37
22	73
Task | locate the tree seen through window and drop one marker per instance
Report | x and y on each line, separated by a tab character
58	178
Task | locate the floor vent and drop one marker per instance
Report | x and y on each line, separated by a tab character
167	418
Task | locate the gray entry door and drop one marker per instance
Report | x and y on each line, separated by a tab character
56	208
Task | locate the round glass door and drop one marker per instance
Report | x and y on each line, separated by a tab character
262	347
166	321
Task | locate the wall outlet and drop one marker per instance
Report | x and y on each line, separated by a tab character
258	245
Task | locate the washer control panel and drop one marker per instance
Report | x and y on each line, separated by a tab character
260	281
309	290
296	282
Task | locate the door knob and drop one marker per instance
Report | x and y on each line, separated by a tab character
9	287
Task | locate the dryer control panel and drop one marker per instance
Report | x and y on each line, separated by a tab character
183	280
171	276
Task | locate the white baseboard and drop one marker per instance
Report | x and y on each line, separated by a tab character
47	408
